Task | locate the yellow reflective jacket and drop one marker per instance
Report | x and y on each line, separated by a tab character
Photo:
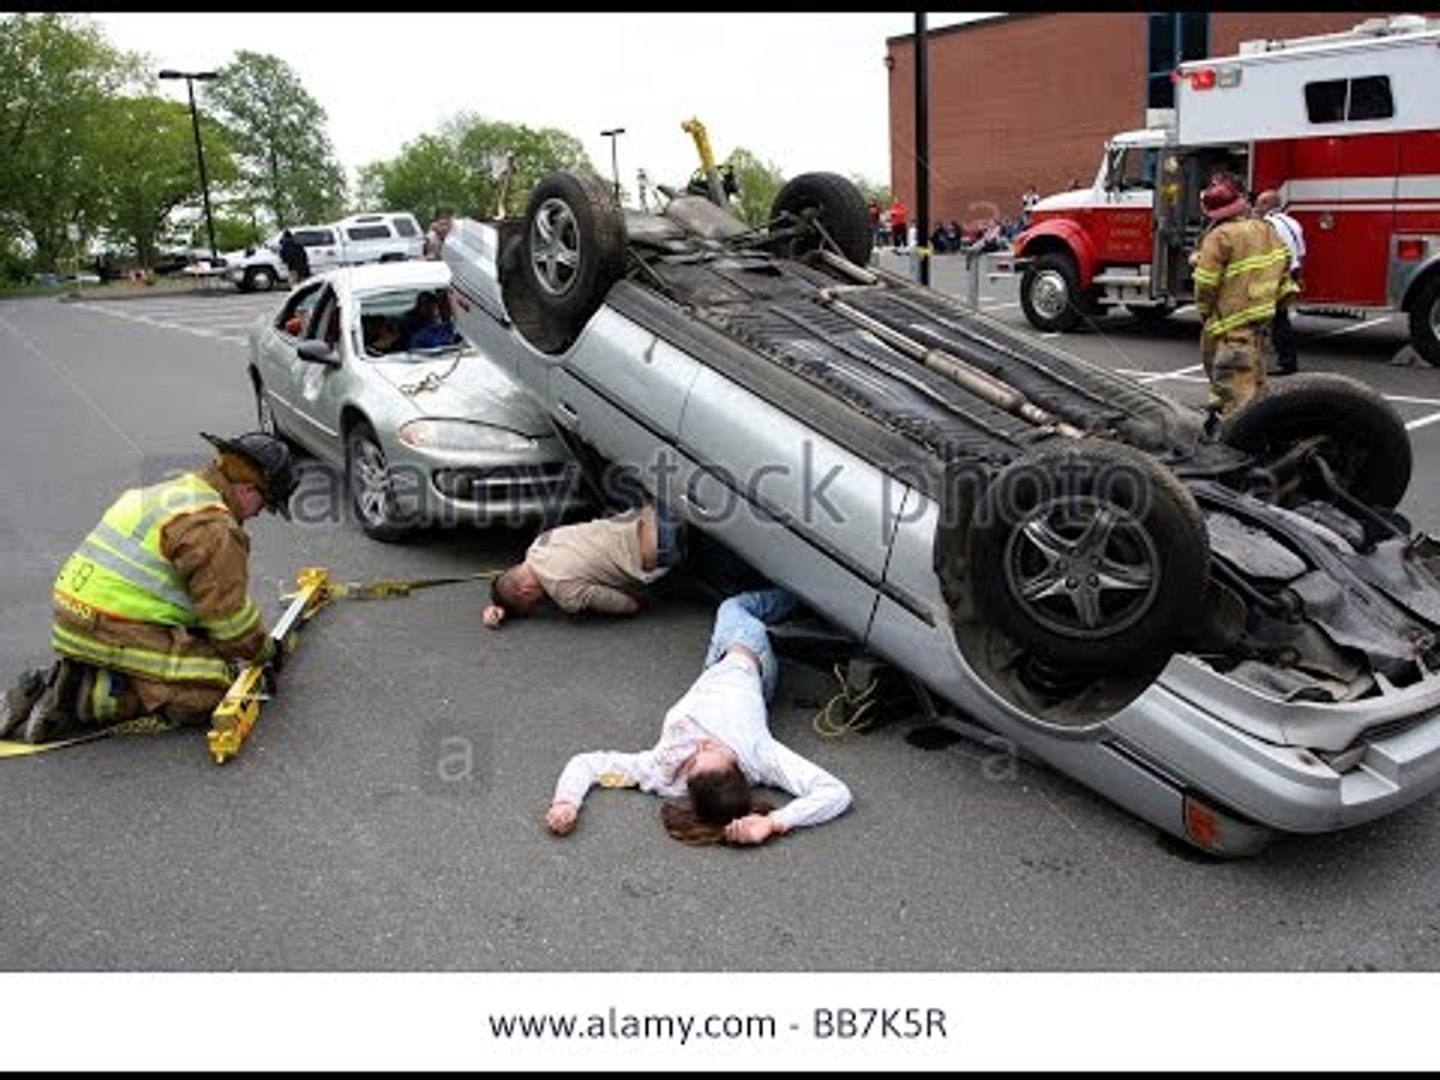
159	588
1243	270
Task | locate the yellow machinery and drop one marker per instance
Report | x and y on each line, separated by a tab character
236	714
696	130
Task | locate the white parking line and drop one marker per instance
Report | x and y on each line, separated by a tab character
1361	325
1406	400
1424	421
997	307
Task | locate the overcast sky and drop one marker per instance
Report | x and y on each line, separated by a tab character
804	91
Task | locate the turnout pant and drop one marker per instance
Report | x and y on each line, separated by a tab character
1235	365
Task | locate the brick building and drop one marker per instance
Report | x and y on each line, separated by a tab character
1031	98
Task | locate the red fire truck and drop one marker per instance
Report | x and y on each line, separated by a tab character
1345	126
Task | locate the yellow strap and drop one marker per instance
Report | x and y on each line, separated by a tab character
141	725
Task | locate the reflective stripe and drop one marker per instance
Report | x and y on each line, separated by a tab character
1256	313
173	500
232	626
130	548
166	667
1258	262
131	575
103	704
1207	277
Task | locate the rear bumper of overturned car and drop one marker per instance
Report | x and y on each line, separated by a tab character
1287	787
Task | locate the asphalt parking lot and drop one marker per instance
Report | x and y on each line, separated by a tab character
332	843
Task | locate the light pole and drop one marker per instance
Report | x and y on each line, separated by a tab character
613	135
190	77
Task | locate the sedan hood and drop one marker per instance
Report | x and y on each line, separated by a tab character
471	389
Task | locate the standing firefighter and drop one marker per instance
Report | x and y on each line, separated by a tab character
1241	271
153	607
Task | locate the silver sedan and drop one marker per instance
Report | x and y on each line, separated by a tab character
361	367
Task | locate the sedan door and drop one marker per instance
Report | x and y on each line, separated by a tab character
322	387
279	368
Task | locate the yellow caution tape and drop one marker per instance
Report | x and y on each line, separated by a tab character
141	725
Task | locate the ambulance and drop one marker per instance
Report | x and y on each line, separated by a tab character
1345	126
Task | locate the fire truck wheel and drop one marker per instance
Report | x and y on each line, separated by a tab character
1050	293
574	247
1091	556
836	204
1425	319
1365	441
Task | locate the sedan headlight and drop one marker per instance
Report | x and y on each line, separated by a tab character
460	435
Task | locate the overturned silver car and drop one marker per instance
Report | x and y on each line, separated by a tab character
1229	635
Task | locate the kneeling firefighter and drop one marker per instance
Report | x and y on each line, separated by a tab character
153	609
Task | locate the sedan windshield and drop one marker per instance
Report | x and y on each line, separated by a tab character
408	323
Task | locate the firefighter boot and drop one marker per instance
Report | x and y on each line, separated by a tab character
20	699
54	714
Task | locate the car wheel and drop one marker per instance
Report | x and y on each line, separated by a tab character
371	483
1365	441
1090	556
574	248
1425	319
259	280
835	204
1050	293
264	411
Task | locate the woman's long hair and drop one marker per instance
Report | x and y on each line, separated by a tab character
715	799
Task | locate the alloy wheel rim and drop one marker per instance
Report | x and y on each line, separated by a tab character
555	246
1082	568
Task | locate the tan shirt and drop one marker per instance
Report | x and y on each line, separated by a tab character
592	565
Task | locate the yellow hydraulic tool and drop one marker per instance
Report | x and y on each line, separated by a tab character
238	711
696	130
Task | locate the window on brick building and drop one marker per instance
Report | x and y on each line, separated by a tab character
1174	37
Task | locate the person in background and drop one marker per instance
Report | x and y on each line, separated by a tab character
1027	204
295	257
899	224
1269	206
435	235
715	745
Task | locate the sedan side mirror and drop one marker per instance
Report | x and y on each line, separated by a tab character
317	352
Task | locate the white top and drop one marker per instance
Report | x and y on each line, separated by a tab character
1291	232
726	704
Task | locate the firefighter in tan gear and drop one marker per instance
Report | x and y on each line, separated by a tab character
153	609
1241	271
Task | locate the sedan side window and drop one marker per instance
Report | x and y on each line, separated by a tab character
295	315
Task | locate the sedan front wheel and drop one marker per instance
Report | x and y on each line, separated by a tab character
375	490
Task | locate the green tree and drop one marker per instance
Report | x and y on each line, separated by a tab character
873	192
56	72
530	154
277	130
147	159
426	177
759	183
232	232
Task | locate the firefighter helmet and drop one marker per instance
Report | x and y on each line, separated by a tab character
271	457
1223	199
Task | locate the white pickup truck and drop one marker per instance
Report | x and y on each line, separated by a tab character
360	238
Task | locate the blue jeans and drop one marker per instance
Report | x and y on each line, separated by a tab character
741	620
667	538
